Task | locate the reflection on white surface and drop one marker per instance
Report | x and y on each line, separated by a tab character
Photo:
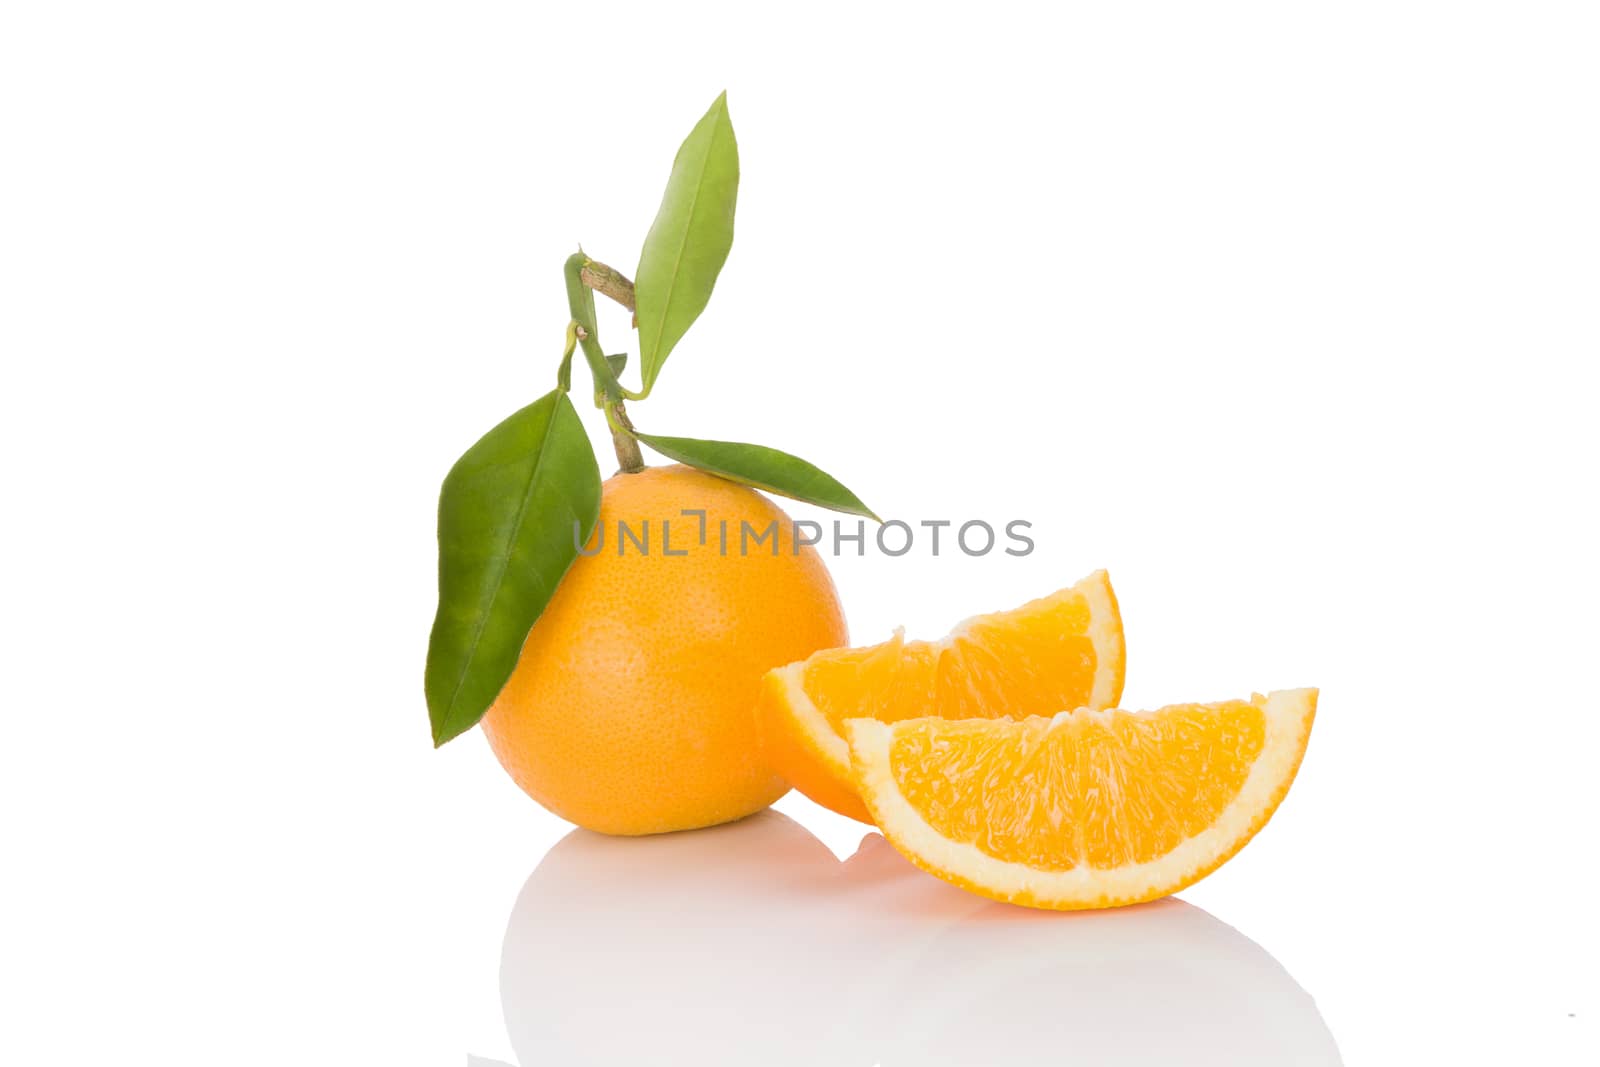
752	944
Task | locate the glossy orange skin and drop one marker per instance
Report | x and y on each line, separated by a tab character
631	710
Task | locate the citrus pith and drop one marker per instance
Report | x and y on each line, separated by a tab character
1058	652
1086	809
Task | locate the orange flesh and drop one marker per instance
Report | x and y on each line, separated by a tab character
1033	661
1102	788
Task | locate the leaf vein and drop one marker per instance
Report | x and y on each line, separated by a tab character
677	261
505	558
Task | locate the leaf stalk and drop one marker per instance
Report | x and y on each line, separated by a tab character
580	301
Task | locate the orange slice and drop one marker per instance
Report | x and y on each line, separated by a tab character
1088	809
1061	651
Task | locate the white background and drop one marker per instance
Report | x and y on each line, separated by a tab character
1285	314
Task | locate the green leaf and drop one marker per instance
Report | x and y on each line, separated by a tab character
506	536
616	363
763	468
689	240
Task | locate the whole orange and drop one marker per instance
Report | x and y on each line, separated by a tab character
631	710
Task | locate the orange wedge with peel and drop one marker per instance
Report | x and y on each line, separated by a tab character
1061	651
1086	809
